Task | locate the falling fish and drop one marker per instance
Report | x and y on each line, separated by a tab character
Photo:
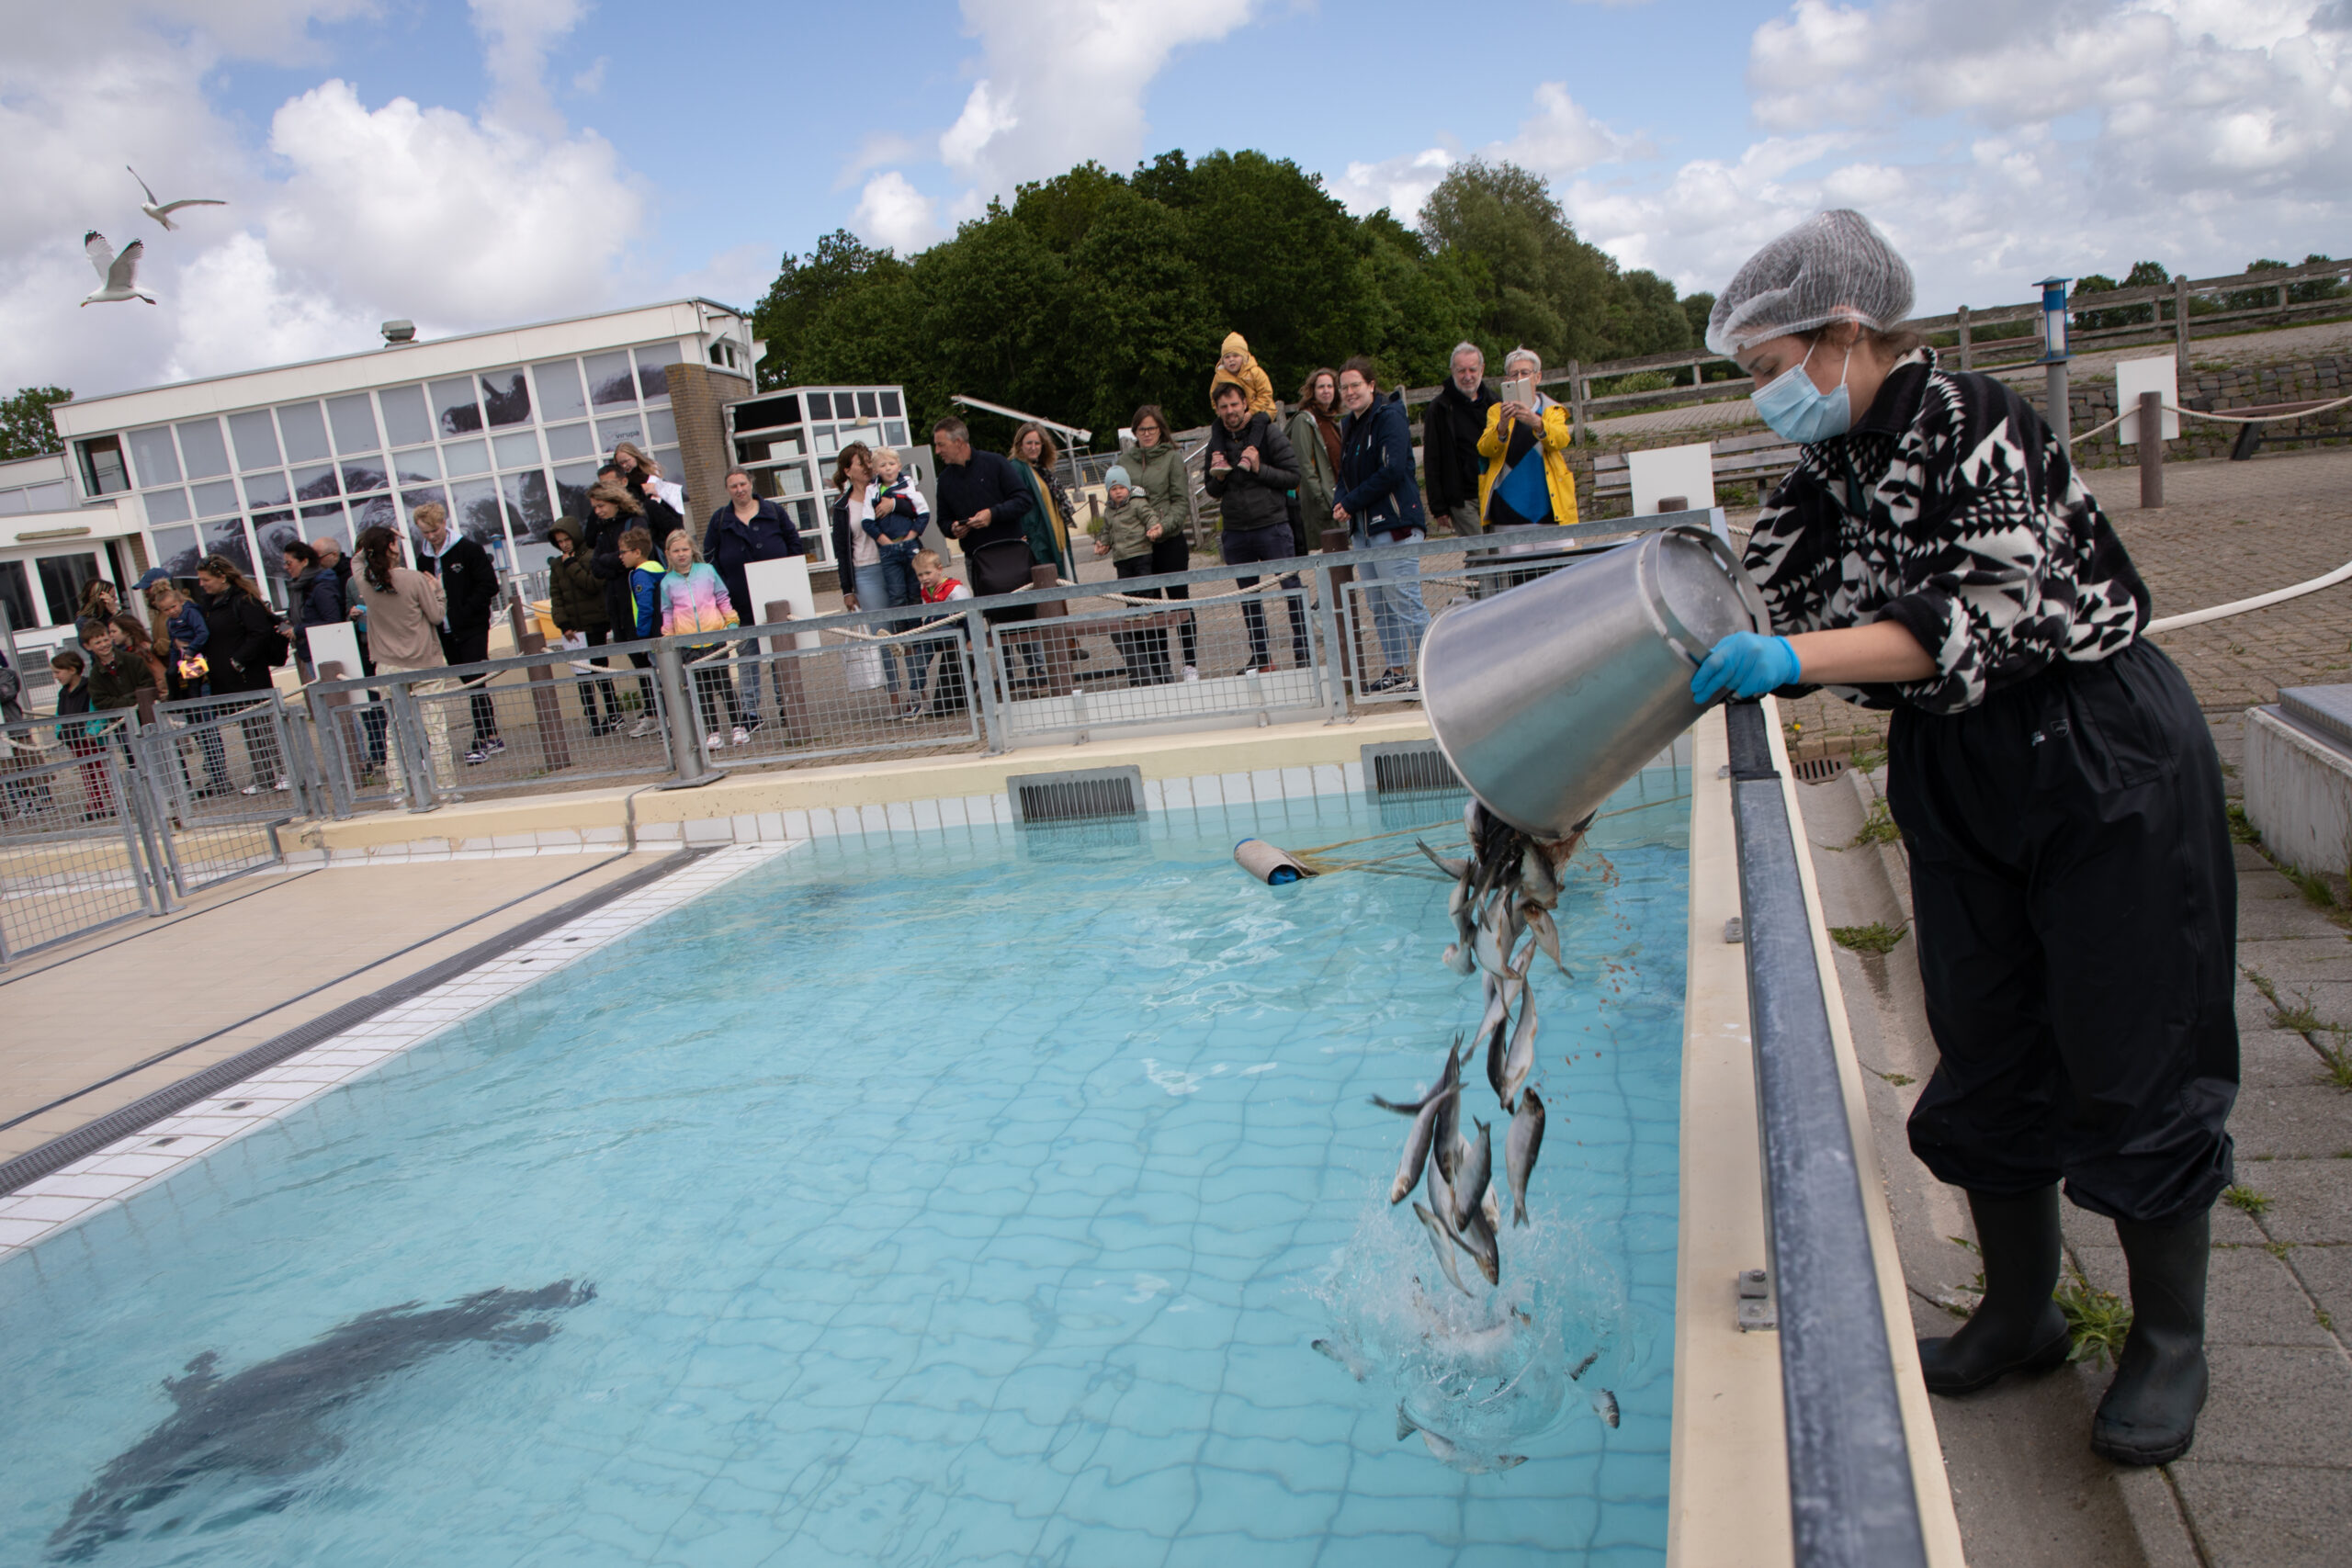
1444	1451
1520	1145
1521	1060
1417	1146
1456	869
1548	935
1473	1170
1604	1405
1443	1240
1477	1239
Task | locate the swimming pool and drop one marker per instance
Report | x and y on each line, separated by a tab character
972	1196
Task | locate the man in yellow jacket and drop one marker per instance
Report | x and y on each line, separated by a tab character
1236	366
1527	478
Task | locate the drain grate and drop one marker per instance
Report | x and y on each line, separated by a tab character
1408	767
1085	795
1817	770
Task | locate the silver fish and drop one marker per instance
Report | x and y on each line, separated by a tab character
1443	1242
1487	946
1520	1145
1445	1137
1473	1172
1456	869
1605	1407
1456	958
1477	1239
1443	1450
1491	1209
1536	875
1521	1060
1416	1147
1448	1076
1582	1367
1547	934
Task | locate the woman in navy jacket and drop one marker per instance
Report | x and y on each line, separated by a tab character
1380	504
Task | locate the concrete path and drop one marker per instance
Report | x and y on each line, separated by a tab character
2270	1481
233	970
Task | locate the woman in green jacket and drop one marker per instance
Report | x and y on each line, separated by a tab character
1157	465
576	605
1314	436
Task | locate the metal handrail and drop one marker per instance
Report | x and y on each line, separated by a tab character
1852	1500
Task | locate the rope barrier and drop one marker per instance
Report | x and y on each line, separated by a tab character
2259	602
2217	417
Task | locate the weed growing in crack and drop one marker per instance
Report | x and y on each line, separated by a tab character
2246	1200
1878	936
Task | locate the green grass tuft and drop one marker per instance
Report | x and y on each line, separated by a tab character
1878	936
2312	885
2246	1200
2097	1319
2338	1068
1878	827
2242	829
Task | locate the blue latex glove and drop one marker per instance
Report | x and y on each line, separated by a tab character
1746	665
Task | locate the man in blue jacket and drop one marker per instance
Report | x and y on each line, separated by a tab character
746	529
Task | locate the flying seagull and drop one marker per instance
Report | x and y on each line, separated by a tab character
118	274
161	211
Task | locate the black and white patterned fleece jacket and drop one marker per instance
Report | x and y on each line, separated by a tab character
1967	524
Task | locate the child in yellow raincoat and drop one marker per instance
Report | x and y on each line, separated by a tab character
1235	364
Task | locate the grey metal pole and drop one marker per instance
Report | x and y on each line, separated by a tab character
980	671
1332	666
2152	450
415	748
685	743
2060	424
126	789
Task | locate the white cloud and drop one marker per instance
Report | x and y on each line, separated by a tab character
1399	183
1558	140
237	308
517	36
895	216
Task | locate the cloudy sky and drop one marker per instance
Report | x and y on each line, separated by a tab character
479	162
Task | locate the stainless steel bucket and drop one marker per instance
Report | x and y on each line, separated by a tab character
1547	697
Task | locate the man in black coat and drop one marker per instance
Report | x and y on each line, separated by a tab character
982	499
1251	469
746	529
1450	426
469	589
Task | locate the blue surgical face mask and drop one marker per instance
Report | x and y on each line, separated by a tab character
1798	410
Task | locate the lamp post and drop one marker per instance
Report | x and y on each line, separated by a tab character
2054	353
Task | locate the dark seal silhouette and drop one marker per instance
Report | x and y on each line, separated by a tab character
267	1422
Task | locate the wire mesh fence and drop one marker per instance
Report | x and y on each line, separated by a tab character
229	759
70	860
833	692
1387	610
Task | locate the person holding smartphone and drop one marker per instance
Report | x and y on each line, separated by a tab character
1527	479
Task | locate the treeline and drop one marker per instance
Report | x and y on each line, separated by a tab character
1094	292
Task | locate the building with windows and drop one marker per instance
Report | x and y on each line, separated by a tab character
50	551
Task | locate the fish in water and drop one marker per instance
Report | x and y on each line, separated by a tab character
1520	1145
1521	1062
1604	1405
1444	1449
1477	1239
269	1421
1474	1170
1443	1240
1417	1144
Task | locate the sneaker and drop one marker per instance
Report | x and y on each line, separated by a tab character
711	743
284	785
643	727
494	746
250	789
742	736
1191	673
752	723
476	757
1389	682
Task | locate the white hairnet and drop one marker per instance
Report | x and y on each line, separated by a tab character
1834	266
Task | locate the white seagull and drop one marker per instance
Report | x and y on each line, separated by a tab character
161	211
118	274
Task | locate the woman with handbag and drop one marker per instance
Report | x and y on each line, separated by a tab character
242	643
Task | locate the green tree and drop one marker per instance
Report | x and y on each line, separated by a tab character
841	264
1648	319
26	429
1138	312
1535	282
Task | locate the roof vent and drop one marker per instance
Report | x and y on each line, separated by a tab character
399	332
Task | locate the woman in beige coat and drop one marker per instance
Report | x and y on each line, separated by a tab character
404	613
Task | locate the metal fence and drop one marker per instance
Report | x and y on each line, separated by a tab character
102	818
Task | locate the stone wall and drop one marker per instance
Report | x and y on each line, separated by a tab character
698	395
2217	390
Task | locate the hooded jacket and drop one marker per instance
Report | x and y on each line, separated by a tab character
575	599
1376	482
1251	377
1126	526
1450	460
1259	498
1318	477
1162	479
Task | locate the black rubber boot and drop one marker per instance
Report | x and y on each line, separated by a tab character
2017	1327
2149	1415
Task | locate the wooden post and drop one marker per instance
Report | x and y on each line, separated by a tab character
1576	401
2180	334
2152	450
547	703
792	703
1967	350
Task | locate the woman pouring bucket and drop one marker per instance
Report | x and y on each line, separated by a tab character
1935	552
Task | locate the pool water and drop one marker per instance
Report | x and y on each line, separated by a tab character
974	1197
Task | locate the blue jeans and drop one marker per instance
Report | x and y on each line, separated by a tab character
877	590
1397	614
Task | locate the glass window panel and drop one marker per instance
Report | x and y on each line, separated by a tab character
276	530
527	509
466	457
266	489
828	444
405	419
889	405
558	384
804	516
516	450
176	551
150	451
610	433
256	439
169	506
673	468
820	405
867	406
200	444
102	466
764	483
413	499
63	578
895	431
505	397
454	410
16	591
420	467
304	430
474	506
15	501
368	513
363	474
610	380
572	482
653	370
215	500
227	537
661	427
354	419
570	441
315	484
51	497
